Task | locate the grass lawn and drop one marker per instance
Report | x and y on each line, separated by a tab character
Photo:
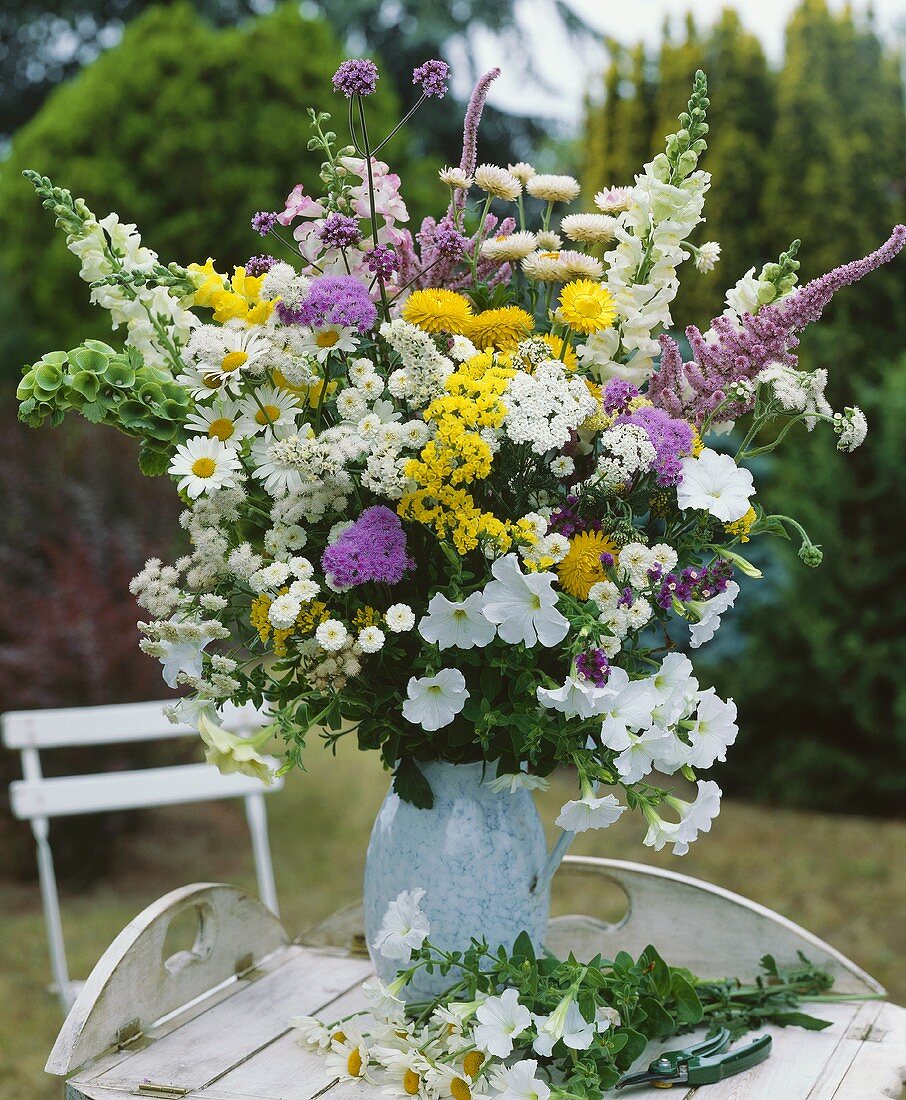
837	876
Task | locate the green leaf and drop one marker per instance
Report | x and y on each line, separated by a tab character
658	1021
523	948
798	1019
93	411
410	784
635	1045
152	463
658	970
688	1005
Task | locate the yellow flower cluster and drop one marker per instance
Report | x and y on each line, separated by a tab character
457	455
238	297
306	621
743	526
367	616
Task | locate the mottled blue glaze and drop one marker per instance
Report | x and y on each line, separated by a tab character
476	854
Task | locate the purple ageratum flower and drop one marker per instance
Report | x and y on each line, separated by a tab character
263	222
372	549
671	439
356	76
336	300
449	242
617	395
382	261
594	666
339	231
259	265
431	77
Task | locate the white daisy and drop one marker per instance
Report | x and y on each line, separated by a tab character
202	464
223	419
268	406
434	701
319	343
221	359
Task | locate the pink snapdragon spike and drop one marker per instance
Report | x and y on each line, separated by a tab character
695	389
299	205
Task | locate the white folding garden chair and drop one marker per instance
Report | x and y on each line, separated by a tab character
36	799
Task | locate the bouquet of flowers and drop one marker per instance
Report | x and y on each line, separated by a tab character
456	492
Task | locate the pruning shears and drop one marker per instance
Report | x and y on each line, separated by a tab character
704	1064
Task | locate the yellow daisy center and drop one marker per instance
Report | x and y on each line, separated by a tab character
221	428
233	360
339	1036
354	1063
203	467
411	1082
327	339
267	414
582	566
473	1062
460	1090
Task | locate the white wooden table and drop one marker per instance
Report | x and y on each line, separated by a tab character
211	1021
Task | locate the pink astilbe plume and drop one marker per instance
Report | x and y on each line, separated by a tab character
470	129
697	388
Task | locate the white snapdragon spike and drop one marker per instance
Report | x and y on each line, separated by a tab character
229	752
523	605
713	730
456	624
519	1081
405	926
694	818
500	1020
204	464
576	698
714	483
434	701
710	612
518	781
589	812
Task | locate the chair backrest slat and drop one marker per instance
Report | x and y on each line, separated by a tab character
107	725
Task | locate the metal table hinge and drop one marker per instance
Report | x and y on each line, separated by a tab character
170	1092
131	1036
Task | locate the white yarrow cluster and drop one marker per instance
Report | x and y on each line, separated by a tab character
543	408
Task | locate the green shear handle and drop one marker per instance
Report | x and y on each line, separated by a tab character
704	1064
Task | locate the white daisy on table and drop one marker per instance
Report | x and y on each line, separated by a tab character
434	701
319	343
311	1031
457	624
268	406
203	464
223	419
350	1056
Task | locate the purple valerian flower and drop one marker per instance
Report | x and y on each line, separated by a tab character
263	222
594	666
671	439
371	549
356	76
259	265
339	231
337	300
732	353
617	395
431	77
382	261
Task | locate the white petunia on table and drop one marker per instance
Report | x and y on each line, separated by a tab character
714	483
404	928
204	463
589	812
523	605
500	1021
457	624
434	701
519	1081
709	613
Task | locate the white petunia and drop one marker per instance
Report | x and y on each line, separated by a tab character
434	701
714	483
523	606
628	708
404	927
576	698
713	730
694	818
519	1081
710	612
500	1020
204	463
642	752
518	781
399	618
460	625
230	752
589	812
567	1024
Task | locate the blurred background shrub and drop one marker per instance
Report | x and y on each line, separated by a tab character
193	117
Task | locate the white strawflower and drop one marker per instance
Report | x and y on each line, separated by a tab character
371	639
498	182
578	265
548	239
399	617
544	267
588	228
553	188
522	171
331	635
455	177
283	612
707	256
613	200
509	246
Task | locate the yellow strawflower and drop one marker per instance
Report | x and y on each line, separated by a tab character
582	567
499	328
587	306
438	310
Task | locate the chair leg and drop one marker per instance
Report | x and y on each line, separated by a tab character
51	903
257	818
